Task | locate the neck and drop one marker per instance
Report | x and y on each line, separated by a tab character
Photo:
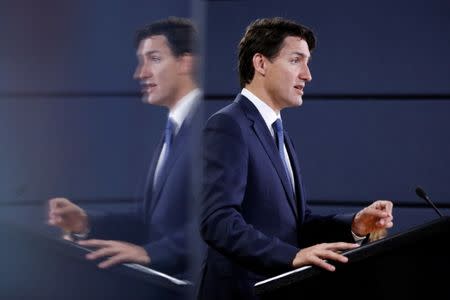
259	91
183	90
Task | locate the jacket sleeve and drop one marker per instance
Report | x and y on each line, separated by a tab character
124	226
325	229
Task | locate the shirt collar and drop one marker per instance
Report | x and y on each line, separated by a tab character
183	107
267	113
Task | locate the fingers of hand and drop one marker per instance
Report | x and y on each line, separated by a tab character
57	202
385	223
318	254
321	258
374	212
317	261
383	205
114	260
340	246
54	220
56	216
378	218
106	251
66	210
118	252
97	243
328	254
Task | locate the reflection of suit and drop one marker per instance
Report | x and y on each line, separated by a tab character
164	222
249	218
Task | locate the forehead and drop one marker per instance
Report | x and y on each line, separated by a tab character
295	44
154	43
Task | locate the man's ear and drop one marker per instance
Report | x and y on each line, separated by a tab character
186	63
260	63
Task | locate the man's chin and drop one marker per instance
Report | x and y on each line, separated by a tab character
148	99
297	102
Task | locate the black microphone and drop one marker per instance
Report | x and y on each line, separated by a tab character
421	193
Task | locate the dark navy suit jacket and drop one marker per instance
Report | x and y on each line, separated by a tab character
250	220
164	223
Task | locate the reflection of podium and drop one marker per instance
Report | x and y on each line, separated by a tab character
36	266
410	265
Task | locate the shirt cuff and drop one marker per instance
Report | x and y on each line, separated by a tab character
79	236
358	239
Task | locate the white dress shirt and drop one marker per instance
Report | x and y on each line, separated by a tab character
270	116
178	114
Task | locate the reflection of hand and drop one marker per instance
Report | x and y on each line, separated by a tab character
67	215
317	254
374	217
117	252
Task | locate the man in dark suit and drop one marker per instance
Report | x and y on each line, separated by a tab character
157	233
254	216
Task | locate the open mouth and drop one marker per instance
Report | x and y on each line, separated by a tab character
299	89
147	88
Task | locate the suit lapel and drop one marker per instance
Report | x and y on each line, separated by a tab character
297	174
151	175
264	136
179	145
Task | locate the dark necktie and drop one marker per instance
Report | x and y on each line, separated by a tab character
279	137
168	139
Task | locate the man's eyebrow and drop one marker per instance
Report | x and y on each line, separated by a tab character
303	55
151	52
147	54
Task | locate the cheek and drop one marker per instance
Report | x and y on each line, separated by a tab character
169	81
285	82
168	75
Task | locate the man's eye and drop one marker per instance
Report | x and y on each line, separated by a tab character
156	59
295	60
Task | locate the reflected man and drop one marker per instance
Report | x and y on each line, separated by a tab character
157	233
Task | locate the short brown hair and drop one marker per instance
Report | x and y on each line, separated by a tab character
266	36
180	33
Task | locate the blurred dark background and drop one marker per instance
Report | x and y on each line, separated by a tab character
374	123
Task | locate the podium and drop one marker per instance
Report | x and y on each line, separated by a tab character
38	266
410	265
